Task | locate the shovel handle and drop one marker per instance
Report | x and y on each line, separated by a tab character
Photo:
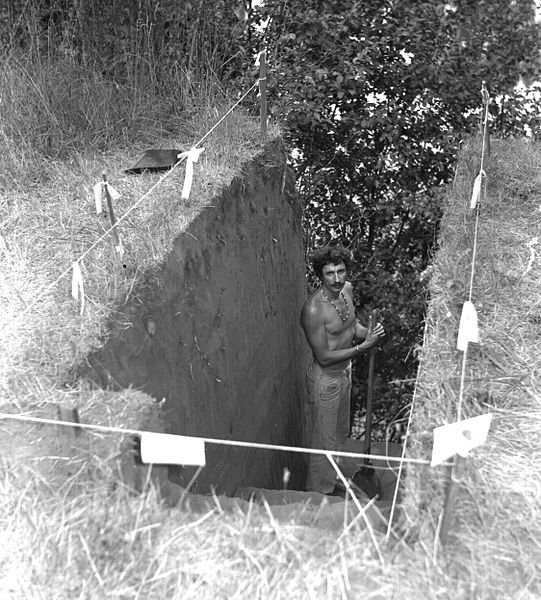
370	391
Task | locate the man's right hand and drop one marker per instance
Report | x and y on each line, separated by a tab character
373	337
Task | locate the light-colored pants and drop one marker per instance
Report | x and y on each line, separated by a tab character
326	421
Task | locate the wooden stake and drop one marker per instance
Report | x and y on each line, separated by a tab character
263	88
111	210
71	414
484	120
455	476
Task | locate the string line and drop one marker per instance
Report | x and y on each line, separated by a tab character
227	114
237	443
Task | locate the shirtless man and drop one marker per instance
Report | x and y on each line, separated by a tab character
329	322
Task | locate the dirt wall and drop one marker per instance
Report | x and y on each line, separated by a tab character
215	333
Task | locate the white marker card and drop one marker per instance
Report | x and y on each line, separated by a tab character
459	438
168	449
98	194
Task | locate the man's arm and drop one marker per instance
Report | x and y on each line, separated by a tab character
360	331
314	327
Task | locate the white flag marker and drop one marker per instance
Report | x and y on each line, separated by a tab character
120	248
468	330
192	156
98	195
167	449
459	438
112	192
476	192
77	286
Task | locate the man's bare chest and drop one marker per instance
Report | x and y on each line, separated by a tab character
335	324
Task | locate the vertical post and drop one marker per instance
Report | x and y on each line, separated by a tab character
370	390
455	477
111	210
71	414
263	88
484	124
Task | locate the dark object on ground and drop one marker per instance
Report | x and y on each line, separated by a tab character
159	159
367	480
340	490
364	483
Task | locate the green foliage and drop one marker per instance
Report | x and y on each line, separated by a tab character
376	97
517	113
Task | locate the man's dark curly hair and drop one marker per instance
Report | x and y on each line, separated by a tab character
330	255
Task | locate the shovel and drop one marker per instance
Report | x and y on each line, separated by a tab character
366	478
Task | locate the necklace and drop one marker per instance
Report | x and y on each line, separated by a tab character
344	318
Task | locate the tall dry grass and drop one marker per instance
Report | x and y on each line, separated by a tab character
97	75
60	110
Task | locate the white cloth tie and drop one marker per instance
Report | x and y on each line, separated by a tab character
192	156
459	438
476	193
77	285
99	189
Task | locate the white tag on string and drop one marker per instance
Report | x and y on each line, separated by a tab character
459	438
484	93
168	449
476	193
533	242
77	286
120	248
112	192
98	195
192	156
468	331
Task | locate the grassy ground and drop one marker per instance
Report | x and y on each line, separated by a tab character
71	529
496	545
